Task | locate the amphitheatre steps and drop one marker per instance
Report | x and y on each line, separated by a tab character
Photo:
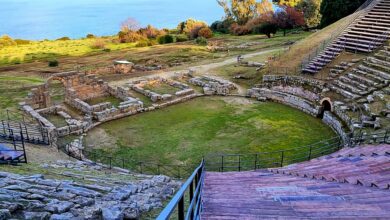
365	166
81	191
368	32
264	194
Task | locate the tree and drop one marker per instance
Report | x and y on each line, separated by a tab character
311	12
130	24
289	3
191	27
289	18
241	11
266	28
333	10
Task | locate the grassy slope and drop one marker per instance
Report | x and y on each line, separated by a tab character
301	49
37	50
187	131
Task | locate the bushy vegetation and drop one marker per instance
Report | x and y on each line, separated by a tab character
166	39
201	41
53	63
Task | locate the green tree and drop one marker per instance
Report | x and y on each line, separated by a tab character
241	11
311	12
333	10
289	3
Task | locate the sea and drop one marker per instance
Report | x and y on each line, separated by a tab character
52	19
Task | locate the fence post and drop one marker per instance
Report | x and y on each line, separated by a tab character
239	163
256	156
385	137
311	147
282	159
181	209
110	162
222	164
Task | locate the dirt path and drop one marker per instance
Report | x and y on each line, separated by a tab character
201	69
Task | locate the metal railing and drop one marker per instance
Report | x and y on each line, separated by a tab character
33	132
262	160
142	167
324	44
18	146
194	187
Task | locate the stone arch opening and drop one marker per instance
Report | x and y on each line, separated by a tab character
326	106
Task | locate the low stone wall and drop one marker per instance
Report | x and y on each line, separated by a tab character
74	126
138	86
213	85
333	122
298	91
295	81
285	98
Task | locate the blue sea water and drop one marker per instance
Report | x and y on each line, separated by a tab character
51	19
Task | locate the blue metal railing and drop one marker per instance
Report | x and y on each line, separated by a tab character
177	203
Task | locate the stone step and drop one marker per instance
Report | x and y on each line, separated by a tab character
349	88
369	75
375	24
358	85
374	71
361	79
343	92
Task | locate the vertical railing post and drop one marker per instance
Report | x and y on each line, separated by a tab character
110	158
385	137
181	209
282	159
256	156
222	164
311	147
191	196
239	163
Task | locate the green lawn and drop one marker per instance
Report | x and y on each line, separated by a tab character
184	133
113	100
161	88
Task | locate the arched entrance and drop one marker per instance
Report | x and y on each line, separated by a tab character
326	105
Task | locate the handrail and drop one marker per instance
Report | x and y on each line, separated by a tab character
178	201
324	44
254	161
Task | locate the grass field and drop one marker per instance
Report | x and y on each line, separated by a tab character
185	132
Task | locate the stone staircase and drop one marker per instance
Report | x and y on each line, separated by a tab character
371	75
368	32
80	190
31	133
349	184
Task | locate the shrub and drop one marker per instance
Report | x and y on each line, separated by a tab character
205	32
63	39
130	37
53	63
201	41
221	26
22	42
266	28
90	36
6	40
107	50
98	44
142	43
239	30
166	39
182	38
150	32
191	27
